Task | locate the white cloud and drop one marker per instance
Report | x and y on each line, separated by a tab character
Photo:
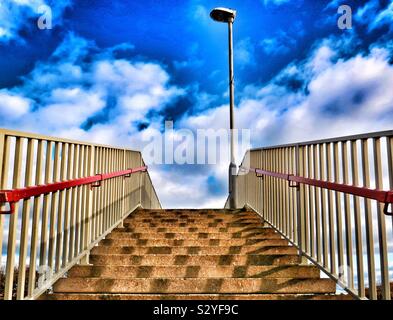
12	106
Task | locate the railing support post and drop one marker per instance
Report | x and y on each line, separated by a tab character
299	204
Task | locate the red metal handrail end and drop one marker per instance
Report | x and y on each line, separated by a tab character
13	196
388	200
3	199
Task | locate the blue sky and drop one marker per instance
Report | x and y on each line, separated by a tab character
114	71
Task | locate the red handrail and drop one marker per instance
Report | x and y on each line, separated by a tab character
13	196
382	196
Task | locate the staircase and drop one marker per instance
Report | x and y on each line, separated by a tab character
194	254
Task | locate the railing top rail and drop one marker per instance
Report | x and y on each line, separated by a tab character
379	134
13	196
21	134
385	197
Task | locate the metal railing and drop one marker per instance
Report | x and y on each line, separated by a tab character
62	197
331	199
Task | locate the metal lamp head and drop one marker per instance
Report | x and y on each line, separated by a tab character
223	15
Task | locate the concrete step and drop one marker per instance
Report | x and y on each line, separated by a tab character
189	285
191	229
194	216
194	213
137	250
200	224
193	236
190	222
206	260
228	297
124	272
192	243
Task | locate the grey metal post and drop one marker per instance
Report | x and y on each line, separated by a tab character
232	166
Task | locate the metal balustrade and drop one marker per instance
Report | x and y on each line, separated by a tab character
331	199
64	197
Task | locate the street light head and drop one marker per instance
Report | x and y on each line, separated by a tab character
223	15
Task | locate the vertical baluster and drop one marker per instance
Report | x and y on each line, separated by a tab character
383	250
278	190
97	199
35	221
305	202
264	187
83	213
288	197
79	207
322	160
123	207
301	204
294	196
109	182
357	221
68	201
54	208
106	188
311	204
74	204
45	209
89	205
347	213
340	243
389	148
13	224
61	208
284	214
332	242
317	193
271	190
369	223
101	191
287	207
24	237
94	199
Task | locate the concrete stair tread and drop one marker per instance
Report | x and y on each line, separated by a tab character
186	225
98	296
189	236
190	271
196	229
206	250
191	285
193	242
230	259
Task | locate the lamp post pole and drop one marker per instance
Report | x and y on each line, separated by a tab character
228	16
232	166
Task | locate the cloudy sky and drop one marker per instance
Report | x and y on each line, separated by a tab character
112	71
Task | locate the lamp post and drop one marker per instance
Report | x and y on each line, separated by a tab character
228	16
